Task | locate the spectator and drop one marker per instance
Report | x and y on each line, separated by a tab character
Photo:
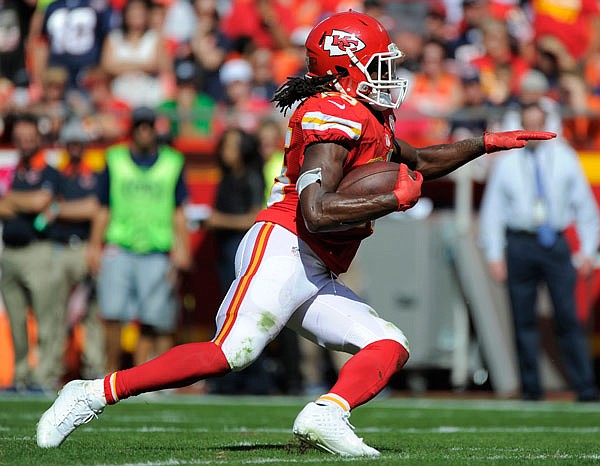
134	55
501	71
575	24
574	95
268	22
528	203
262	62
141	220
378	10
518	24
436	91
53	108
437	29
180	21
290	61
434	94
190	113
72	214
413	43
552	59
580	127
242	109
107	117
72	35
534	90
210	47
14	27
29	276
157	14
474	115
469	43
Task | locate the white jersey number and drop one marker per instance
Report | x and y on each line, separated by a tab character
72	31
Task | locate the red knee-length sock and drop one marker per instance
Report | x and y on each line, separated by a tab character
368	372
178	367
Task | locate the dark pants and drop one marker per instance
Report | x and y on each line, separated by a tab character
528	265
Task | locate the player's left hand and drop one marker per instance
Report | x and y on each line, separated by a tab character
512	139
408	189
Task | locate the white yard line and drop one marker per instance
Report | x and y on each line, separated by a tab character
393	403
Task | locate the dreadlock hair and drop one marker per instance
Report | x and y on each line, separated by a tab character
300	87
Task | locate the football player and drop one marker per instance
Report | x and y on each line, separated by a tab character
287	264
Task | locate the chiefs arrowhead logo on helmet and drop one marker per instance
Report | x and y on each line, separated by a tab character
339	42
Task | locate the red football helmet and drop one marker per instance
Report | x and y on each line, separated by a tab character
357	46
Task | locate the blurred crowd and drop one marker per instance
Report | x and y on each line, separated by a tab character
207	69
206	65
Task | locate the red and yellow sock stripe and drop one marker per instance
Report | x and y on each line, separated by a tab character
110	388
258	252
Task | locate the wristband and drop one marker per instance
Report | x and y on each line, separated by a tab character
40	222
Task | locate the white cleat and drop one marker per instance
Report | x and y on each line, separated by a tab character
76	405
327	428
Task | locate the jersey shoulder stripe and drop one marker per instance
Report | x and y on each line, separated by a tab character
323	122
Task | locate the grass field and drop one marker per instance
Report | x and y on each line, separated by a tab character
208	430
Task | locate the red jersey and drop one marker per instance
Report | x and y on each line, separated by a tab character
570	21
324	118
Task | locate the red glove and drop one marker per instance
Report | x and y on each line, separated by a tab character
407	189
512	139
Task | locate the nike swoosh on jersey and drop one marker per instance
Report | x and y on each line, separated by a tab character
340	106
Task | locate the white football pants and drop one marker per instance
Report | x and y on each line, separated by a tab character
280	281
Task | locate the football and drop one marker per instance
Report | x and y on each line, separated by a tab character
371	178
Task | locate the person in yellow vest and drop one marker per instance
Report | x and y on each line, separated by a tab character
140	240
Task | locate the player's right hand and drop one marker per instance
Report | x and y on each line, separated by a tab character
407	190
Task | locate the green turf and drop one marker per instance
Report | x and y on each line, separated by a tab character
206	430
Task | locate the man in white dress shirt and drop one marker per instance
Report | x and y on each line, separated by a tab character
529	200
